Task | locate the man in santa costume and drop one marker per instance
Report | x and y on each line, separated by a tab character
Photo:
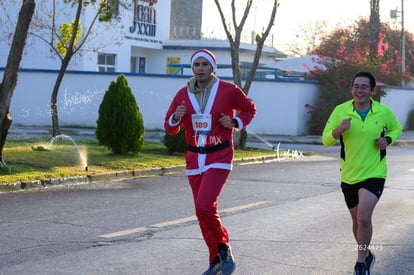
207	109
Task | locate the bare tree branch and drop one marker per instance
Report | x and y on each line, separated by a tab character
259	48
234	50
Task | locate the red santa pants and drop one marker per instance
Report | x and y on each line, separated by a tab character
206	191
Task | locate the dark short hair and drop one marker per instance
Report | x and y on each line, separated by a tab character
368	75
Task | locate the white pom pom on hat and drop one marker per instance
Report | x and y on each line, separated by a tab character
207	55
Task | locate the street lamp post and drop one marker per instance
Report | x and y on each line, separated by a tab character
393	14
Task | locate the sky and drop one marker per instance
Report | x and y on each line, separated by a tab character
294	15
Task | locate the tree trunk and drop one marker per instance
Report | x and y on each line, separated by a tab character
12	68
53	98
243	138
53	102
65	63
55	117
4	131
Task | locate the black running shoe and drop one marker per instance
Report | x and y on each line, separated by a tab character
214	269
227	261
370	261
360	269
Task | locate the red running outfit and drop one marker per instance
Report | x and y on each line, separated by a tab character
209	162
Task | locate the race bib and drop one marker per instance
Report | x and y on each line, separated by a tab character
201	123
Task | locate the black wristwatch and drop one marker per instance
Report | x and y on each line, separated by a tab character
389	140
235	123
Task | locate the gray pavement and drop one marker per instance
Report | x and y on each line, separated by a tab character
283	218
309	235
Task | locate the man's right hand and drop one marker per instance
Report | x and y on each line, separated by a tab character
180	111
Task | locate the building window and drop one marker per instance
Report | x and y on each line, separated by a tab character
106	62
138	64
141	65
134	64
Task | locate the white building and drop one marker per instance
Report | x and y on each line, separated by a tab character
144	37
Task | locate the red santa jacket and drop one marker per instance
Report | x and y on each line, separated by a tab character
225	98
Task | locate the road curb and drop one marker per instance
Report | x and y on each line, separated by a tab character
130	174
113	176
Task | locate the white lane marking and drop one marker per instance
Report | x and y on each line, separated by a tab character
178	221
123	232
242	207
175	222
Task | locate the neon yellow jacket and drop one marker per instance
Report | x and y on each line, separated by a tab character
360	157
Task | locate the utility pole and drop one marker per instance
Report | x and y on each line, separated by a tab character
402	44
393	15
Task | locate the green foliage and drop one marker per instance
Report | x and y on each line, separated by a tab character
66	30
106	10
176	143
341	55
120	126
105	14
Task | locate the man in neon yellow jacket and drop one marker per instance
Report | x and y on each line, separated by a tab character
364	128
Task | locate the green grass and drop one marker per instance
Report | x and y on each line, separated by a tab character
37	159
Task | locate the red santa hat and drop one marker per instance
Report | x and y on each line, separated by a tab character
207	55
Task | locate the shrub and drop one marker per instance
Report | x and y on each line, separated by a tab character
176	143
120	126
338	63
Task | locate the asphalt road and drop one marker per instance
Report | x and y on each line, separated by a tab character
284	217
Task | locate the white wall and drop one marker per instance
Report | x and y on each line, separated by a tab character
401	101
281	106
280	103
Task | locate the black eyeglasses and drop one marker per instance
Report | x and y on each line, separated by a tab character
361	87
